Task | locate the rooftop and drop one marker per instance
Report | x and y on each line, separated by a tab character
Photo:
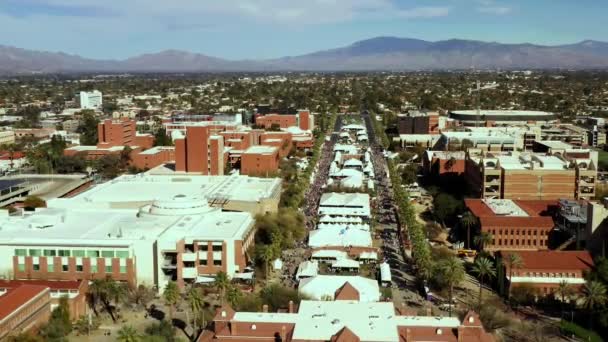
16	298
262	149
554	260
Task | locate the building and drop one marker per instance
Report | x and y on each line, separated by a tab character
152	157
343	321
514	225
200	151
418	123
231	193
335	287
122	132
489	118
89	99
437	163
24	308
515	175
303	120
260	160
74	291
545	270
345	205
568	133
177	238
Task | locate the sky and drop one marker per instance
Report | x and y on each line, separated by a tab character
255	29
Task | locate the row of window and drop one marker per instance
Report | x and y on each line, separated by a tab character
216	262
545	275
520	232
66	268
516	242
72	253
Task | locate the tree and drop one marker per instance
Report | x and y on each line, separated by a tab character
128	334
141	295
171	296
33	202
278	296
163	330
594	296
105	291
59	324
445	205
563	290
221	284
161	138
233	296
453	274
513	261
88	128
483	240
196	303
108	166
483	268
468	221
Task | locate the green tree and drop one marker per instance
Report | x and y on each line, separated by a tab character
141	295
512	262
221	284
196	304
445	205
163	330
564	290
161	138
171	296
105	291
468	221
453	274
483	239
33	202
483	268
594	296
59	324
88	128
128	334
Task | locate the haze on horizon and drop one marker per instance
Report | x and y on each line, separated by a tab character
254	29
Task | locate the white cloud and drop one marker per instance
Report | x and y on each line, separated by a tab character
424	12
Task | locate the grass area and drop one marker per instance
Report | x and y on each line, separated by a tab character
569	329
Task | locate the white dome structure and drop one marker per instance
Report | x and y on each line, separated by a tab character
178	206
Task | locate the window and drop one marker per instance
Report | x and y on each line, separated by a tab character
20	252
50	268
36	267
123	269
50	252
35	252
93	254
65	268
64	252
107	254
21	267
203	248
217	248
202	262
122	254
217	262
94	268
109	269
78	253
79	268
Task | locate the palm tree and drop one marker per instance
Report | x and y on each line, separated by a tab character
564	290
594	295
483	239
513	261
128	334
196	303
267	256
468	221
221	283
483	268
116	292
233	294
453	274
171	296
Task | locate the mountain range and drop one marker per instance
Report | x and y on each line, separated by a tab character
376	54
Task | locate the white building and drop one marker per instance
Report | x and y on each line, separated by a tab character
89	99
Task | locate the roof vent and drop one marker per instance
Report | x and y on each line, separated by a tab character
253	327
471	319
439	331
223	313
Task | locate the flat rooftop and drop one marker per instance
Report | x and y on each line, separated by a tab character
505	207
132	191
262	149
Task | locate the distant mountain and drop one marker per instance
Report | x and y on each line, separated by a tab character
381	53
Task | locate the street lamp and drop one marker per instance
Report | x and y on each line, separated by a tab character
478	90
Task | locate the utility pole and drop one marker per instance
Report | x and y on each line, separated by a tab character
477	92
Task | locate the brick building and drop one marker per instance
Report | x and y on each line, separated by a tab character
260	160
303	119
342	321
418	123
532	176
24	308
545	270
438	163
514	225
200	151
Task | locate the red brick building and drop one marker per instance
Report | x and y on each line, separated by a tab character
514	225
342	321
545	270
439	163
24	308
200	152
280	140
122	133
304	120
75	291
260	160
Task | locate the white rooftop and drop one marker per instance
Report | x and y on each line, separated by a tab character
261	149
505	207
325	286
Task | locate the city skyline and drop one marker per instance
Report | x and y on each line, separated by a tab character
270	29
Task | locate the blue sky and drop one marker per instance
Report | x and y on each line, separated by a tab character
240	29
